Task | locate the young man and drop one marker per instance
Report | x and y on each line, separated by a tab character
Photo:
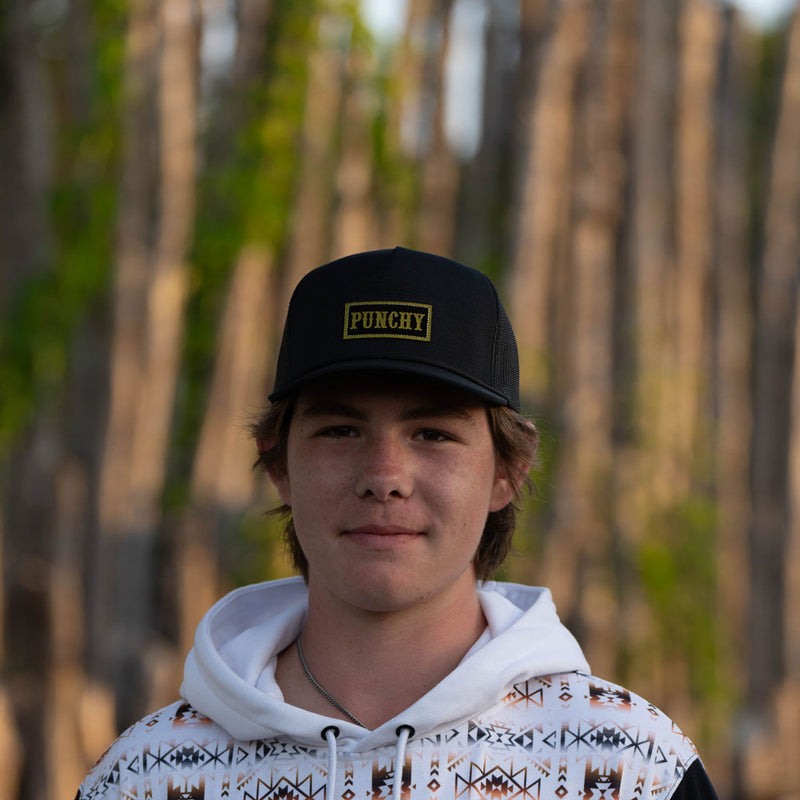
394	666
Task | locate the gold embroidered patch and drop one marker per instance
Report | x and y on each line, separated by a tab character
384	319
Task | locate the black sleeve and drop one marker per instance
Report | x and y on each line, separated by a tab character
695	785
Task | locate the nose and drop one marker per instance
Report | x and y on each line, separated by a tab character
384	470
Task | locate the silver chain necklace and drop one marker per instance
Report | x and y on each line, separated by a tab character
316	684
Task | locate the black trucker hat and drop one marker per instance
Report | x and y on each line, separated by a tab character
400	311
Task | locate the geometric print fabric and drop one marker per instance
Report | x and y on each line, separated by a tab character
564	736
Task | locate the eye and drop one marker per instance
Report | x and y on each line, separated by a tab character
433	435
338	432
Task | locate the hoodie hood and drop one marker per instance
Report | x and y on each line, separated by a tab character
230	672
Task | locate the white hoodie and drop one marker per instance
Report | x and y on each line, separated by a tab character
519	717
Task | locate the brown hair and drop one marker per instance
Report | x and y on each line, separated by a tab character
515	441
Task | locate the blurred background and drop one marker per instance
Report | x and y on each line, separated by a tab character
628	171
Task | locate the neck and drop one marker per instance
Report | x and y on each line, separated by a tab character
377	664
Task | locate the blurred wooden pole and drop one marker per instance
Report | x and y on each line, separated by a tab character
11	750
126	356
792	603
643	469
164	330
774	345
774	699
685	406
411	115
540	250
579	560
223	483
131	273
149	301
695	225
440	174
733	358
654	243
26	153
71	736
355	223
164	319
486	183
28	141
310	234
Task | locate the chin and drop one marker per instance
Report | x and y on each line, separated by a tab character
382	600
382	596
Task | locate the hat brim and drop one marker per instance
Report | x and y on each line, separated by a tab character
394	367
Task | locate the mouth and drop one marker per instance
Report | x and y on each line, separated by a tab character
381	536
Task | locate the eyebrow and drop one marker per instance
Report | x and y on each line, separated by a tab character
330	408
438	411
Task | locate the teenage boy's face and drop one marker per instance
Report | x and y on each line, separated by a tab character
390	482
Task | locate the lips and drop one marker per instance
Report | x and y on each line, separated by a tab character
381	536
384	530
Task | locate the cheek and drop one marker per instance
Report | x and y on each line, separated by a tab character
469	490
316	481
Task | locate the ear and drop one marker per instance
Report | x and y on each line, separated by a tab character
508	481
503	491
507	486
277	473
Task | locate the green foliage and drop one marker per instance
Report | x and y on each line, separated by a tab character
245	197
396	178
258	550
763	101
42	317
535	508
272	140
677	565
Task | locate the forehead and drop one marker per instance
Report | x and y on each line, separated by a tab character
361	390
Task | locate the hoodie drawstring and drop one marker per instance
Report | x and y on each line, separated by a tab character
330	733
404	732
